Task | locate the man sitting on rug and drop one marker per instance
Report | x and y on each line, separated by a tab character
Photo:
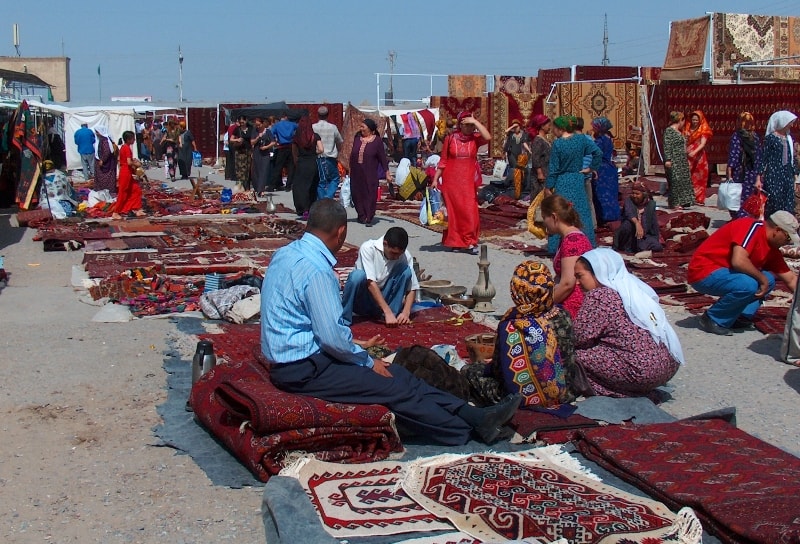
312	351
383	282
639	228
738	263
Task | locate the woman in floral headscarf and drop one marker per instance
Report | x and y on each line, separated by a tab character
606	187
533	353
779	164
698	133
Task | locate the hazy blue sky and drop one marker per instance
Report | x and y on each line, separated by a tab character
300	50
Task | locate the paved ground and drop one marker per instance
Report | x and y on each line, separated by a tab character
78	461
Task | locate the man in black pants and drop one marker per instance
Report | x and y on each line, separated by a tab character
283	131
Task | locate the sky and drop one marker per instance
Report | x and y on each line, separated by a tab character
258	51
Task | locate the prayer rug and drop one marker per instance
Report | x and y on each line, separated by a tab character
547	427
353	117
616	101
686	50
498	497
451	106
549	77
463	86
743	489
742	38
362	500
514	84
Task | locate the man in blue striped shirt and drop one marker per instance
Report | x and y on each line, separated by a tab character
312	351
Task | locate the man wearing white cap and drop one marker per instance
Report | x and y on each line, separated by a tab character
739	263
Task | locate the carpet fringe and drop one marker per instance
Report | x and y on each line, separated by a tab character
294	461
688	527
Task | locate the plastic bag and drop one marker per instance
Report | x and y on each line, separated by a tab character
95	197
345	197
423	211
197	159
729	196
437	214
56	209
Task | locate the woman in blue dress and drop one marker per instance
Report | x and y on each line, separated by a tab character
565	174
606	186
778	164
744	156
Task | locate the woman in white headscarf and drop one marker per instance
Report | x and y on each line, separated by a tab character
779	164
622	337
105	175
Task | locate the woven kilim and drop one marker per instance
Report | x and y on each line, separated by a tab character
498	497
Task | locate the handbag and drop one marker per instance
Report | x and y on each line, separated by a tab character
729	196
755	204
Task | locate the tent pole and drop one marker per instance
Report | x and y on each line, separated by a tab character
216	136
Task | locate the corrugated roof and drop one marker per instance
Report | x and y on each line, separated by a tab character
23	77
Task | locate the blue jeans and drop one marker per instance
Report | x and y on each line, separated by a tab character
357	299
328	177
410	149
736	292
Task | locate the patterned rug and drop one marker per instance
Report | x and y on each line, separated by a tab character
498	497
463	86
616	101
743	489
686	51
363	500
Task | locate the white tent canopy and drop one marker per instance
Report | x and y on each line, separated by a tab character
118	119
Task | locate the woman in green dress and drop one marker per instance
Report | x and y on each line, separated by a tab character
676	164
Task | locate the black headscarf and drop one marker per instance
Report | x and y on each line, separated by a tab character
748	148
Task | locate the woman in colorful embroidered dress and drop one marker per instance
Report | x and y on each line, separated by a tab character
676	164
458	178
367	155
565	176
744	156
779	164
606	186
623	340
560	218
129	199
540	152
533	352
697	136
105	172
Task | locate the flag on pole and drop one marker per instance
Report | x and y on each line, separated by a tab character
98	69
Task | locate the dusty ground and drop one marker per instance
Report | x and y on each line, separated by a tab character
78	459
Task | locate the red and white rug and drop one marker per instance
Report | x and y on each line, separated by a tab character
497	497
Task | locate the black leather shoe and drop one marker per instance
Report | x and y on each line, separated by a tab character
708	325
491	427
743	324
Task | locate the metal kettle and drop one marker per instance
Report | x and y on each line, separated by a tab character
204	359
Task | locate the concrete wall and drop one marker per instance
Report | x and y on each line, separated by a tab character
53	70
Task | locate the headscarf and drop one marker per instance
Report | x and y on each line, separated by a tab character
102	130
638	298
538	121
642	188
372	125
565	122
49	165
532	288
778	121
703	129
602	125
461	116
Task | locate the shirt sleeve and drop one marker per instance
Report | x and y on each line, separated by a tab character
325	312
368	255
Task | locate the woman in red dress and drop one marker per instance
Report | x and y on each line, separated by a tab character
129	195
458	177
697	135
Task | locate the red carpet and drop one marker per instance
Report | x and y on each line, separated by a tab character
743	489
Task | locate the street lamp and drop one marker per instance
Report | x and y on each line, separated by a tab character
180	74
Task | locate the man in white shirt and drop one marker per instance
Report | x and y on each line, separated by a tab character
383	282
331	143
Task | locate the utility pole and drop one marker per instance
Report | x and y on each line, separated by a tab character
180	75
392	58
605	40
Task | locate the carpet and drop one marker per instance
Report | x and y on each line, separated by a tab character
463	86
743	489
686	50
508	106
616	101
497	497
451	106
363	500
514	84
